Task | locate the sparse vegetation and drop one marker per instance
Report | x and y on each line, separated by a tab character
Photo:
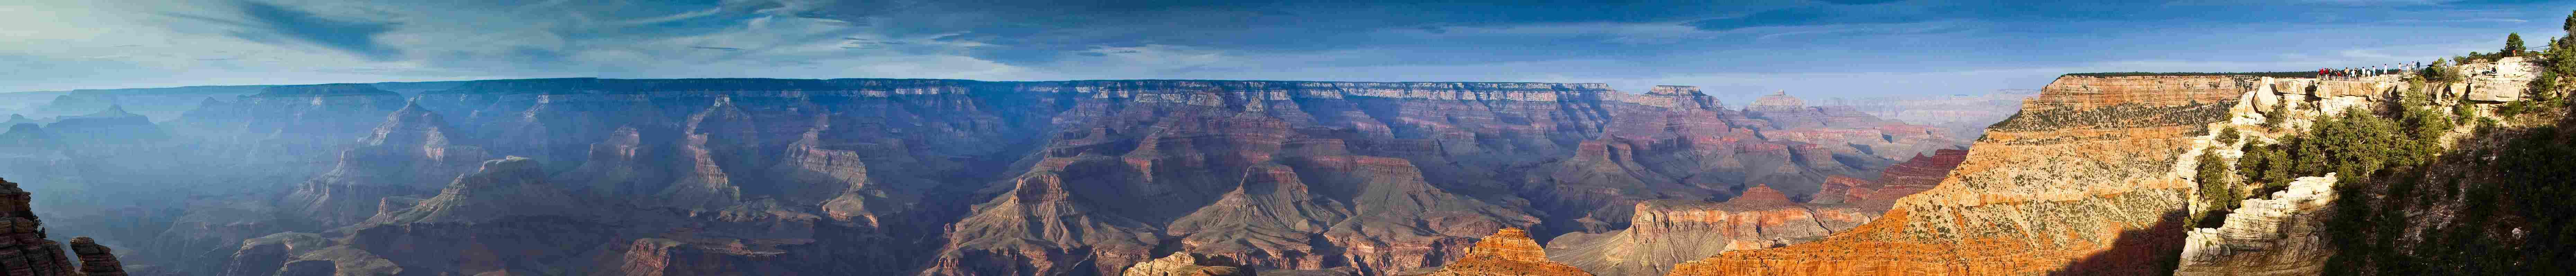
2116	116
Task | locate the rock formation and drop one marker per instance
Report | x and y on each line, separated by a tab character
1187	264
410	153
1508	251
2283	234
25	252
1667	232
96	260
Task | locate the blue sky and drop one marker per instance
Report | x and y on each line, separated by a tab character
1827	47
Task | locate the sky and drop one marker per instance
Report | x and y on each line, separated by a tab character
1859	48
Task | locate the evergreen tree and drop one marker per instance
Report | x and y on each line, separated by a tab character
2212	176
2570	24
2512	44
2249	166
2276	168
2311	158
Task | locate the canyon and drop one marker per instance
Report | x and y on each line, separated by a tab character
2092	175
948	177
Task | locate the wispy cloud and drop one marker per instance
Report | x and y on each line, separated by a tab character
271	23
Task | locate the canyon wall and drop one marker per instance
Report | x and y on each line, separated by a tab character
1667	232
2083	180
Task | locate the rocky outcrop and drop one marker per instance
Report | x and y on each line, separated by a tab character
2501	81
96	260
1507	252
2282	234
24	251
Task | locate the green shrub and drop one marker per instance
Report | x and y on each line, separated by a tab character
2228	136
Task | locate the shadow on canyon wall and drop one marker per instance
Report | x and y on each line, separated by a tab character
2151	251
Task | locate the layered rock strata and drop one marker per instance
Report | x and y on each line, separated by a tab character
1507	252
1667	232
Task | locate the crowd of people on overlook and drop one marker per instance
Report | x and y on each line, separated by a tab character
2357	73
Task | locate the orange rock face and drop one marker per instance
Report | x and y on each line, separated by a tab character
1508	252
2081	92
2057	193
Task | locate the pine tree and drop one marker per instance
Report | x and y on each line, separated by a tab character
2570	24
2512	44
2212	176
2249	166
2311	158
2276	168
